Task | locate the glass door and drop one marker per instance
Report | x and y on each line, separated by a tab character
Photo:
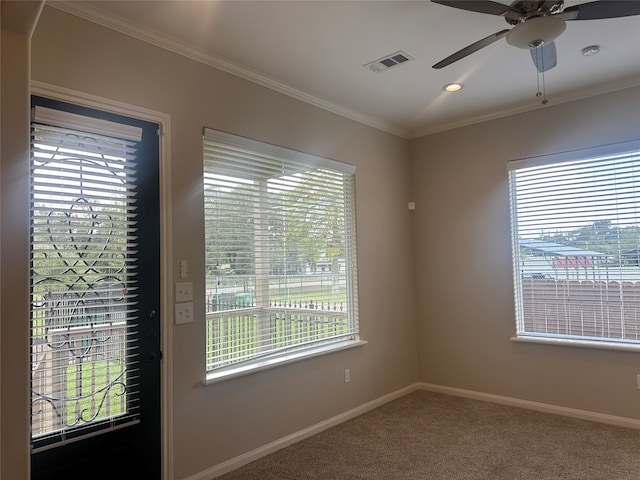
95	294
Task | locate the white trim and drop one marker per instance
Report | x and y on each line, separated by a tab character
528	107
89	100
538	406
122	25
255	454
166	246
569	342
239	461
221	375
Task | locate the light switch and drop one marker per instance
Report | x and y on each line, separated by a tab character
184	269
184	291
184	312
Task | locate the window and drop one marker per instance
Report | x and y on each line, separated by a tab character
280	254
576	245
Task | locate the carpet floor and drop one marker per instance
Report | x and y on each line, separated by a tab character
426	435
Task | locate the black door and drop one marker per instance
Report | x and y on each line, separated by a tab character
95	293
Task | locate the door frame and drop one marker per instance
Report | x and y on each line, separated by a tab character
166	270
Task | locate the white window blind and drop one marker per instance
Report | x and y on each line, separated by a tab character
576	244
83	279
280	252
82	123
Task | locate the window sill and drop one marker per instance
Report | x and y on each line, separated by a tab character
235	371
567	342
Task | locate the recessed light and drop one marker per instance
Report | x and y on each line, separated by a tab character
453	87
590	50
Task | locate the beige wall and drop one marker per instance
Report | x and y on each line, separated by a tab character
464	285
215	423
15	235
459	234
17	19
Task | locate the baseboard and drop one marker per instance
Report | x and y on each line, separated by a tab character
541	407
264	450
283	442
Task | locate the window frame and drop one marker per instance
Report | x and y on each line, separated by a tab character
214	139
522	335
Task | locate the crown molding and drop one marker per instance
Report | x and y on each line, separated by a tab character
153	37
534	105
124	26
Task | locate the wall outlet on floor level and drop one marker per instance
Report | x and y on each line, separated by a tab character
347	375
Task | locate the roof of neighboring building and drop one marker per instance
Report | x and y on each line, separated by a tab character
557	249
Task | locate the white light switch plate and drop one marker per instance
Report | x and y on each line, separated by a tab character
184	269
184	292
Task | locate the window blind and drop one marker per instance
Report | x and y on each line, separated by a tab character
576	244
280	251
83	278
82	123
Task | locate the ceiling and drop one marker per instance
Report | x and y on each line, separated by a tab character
316	51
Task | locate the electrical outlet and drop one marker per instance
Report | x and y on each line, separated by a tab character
184	312
347	375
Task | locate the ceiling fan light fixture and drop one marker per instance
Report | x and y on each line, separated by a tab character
536	32
453	87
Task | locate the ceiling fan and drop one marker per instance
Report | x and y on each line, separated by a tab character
536	24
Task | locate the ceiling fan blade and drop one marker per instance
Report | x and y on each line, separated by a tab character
601	9
480	6
474	47
545	57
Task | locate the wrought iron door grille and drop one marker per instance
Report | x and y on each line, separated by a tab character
83	282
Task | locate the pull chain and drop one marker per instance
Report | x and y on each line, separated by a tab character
543	93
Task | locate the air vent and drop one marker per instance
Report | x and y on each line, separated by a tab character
390	61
